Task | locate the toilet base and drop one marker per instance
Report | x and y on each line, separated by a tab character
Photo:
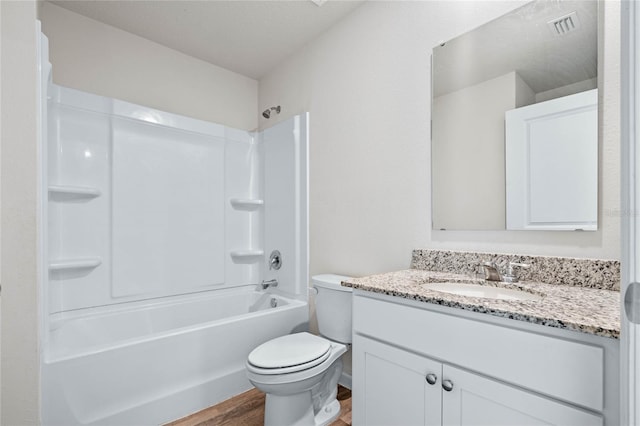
288	410
303	398
298	410
328	413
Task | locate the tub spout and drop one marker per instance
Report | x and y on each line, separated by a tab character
269	283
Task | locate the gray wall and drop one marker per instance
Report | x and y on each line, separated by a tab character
19	200
97	58
366	83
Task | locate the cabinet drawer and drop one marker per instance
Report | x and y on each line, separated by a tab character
563	369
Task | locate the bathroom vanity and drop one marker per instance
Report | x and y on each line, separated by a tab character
422	356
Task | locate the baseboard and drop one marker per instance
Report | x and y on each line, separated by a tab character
345	380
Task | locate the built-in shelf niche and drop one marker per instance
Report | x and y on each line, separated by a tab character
70	192
249	204
76	263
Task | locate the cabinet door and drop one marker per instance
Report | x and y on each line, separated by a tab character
476	400
391	387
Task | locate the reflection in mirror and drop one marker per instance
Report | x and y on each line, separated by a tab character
542	52
551	157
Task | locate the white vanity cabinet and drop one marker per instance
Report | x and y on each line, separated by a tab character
477	400
390	386
414	364
397	387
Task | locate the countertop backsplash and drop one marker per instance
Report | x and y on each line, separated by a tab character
589	273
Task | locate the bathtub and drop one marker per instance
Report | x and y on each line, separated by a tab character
156	362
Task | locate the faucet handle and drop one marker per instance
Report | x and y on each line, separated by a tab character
520	265
510	275
275	260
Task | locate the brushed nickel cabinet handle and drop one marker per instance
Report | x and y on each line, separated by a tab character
432	378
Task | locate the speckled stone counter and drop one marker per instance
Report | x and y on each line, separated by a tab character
587	310
591	273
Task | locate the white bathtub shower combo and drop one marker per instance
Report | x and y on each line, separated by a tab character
157	232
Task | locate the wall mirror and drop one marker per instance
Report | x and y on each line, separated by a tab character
514	136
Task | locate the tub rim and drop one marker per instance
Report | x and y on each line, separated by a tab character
51	355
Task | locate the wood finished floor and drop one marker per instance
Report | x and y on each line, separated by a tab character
247	409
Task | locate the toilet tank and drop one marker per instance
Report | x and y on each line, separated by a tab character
333	307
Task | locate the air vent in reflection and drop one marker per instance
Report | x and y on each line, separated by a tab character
565	24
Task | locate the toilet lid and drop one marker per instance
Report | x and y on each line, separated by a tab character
299	349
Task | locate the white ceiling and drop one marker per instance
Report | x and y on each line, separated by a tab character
248	37
522	41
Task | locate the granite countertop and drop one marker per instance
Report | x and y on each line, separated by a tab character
588	310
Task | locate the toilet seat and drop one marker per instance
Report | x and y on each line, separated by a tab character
289	354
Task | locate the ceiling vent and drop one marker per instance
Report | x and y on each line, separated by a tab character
565	24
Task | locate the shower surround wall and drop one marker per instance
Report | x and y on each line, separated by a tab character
158	231
137	203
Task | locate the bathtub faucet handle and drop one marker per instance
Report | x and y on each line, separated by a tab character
275	260
269	283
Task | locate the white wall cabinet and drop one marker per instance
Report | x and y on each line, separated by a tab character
414	366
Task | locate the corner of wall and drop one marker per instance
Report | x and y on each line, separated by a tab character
20	387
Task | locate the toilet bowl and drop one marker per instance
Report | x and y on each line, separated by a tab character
299	372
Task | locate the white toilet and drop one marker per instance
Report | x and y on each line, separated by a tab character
299	372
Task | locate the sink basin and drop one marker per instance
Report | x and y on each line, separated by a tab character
484	291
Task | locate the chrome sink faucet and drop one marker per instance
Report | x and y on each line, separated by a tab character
492	272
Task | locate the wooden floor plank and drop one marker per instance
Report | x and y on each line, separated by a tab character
247	409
